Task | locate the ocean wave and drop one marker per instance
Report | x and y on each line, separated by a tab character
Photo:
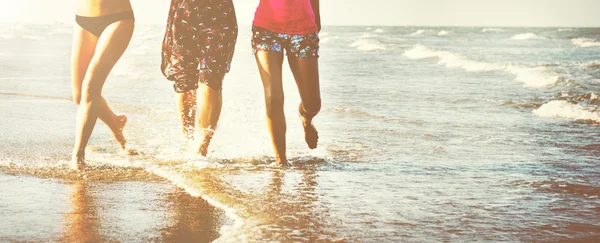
486	30
450	59
443	33
565	29
379	31
593	64
368	45
527	36
590	98
419	32
586	42
531	77
325	40
566	110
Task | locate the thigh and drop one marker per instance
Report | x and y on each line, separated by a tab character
303	59
216	54
268	51
270	68
306	74
111	45
84	44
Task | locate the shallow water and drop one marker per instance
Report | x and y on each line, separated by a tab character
427	134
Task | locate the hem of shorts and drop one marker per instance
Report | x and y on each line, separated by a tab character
312	30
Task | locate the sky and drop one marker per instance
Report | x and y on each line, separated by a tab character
555	13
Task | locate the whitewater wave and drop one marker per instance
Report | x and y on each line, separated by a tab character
379	31
419	32
565	29
531	77
496	30
566	110
586	42
450	59
527	36
443	33
368	45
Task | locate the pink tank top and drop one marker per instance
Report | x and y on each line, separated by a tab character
286	16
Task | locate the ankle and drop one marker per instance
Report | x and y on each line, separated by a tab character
78	154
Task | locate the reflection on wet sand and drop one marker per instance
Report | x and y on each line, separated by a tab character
192	219
82	221
284	209
123	206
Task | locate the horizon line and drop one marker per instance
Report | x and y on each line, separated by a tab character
358	25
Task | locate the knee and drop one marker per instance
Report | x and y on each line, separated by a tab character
312	107
90	94
274	103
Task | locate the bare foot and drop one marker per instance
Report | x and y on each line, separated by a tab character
311	136
284	163
117	130
130	151
77	162
208	134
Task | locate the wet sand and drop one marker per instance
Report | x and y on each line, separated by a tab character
101	205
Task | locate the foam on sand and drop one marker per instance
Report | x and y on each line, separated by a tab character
566	110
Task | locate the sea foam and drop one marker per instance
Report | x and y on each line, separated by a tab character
531	77
586	42
443	33
527	36
485	30
566	110
368	45
419	32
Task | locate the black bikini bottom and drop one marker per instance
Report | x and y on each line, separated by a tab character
96	25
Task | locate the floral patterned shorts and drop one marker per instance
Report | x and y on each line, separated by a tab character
301	46
199	43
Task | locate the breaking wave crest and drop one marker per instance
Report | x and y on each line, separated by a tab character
531	77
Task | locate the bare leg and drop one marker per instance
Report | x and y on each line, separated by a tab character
306	73
110	46
210	111
269	66
84	45
187	113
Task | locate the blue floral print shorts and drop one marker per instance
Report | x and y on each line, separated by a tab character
301	46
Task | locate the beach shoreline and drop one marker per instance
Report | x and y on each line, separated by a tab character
101	205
